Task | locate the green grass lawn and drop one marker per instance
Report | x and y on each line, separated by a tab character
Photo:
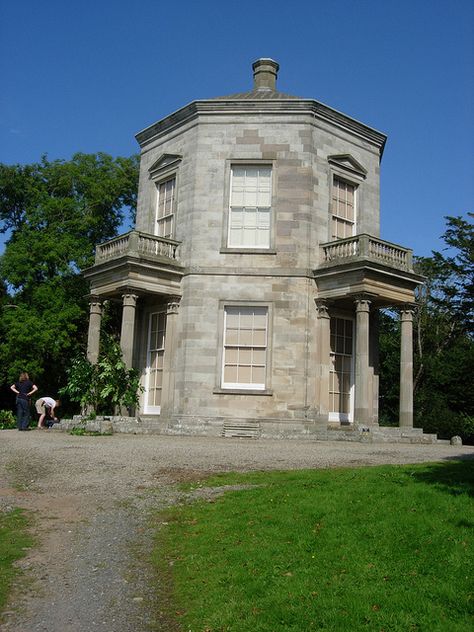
14	540
376	548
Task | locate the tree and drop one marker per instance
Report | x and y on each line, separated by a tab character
55	213
444	341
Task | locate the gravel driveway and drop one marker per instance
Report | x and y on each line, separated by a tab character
91	498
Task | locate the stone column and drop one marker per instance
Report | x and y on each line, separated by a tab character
362	407
406	368
128	327
169	367
374	369
323	354
93	338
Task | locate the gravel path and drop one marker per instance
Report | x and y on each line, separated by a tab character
91	498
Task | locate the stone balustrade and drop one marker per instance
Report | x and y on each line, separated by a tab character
366	247
138	244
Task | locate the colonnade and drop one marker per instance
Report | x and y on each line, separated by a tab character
363	373
127	336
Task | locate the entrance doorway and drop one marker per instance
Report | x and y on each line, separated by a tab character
341	375
154	364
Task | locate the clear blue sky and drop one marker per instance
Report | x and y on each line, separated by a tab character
82	75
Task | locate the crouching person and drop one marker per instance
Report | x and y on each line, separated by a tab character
46	407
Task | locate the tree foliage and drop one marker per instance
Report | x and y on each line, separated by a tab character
443	340
54	213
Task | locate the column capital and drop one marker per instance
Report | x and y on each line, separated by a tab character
95	304
129	298
322	307
172	307
407	311
362	303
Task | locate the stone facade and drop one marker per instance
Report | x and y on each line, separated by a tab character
181	277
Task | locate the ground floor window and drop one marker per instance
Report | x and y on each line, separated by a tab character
341	376
245	347
154	369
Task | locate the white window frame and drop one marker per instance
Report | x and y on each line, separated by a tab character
349	416
333	215
264	208
147	409
251	386
162	220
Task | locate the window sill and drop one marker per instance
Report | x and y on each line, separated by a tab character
242	391
248	251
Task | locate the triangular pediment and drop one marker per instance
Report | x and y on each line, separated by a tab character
348	163
165	163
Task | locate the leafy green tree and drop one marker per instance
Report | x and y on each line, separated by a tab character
443	340
54	213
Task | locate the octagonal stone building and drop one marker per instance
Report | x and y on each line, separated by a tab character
252	281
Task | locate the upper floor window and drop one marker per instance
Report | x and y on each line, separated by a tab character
343	209
250	206
165	207
164	175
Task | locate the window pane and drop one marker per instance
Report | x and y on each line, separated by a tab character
263	219
237	198
259	337
232	317
250	218
246	320
258	375
258	356
245	356
260	317
246	337
230	374
251	178
245	374
237	218
232	337
251	198
345	403
238	174
231	356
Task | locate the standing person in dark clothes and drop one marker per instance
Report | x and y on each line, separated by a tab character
24	389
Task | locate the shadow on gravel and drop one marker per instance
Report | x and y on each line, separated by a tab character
453	477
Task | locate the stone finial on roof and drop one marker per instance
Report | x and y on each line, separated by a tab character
265	72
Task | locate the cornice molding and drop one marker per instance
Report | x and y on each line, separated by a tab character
278	107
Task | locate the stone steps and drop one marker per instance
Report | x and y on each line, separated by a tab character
241	429
380	434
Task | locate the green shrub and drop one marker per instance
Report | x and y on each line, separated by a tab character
104	386
7	420
447	424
